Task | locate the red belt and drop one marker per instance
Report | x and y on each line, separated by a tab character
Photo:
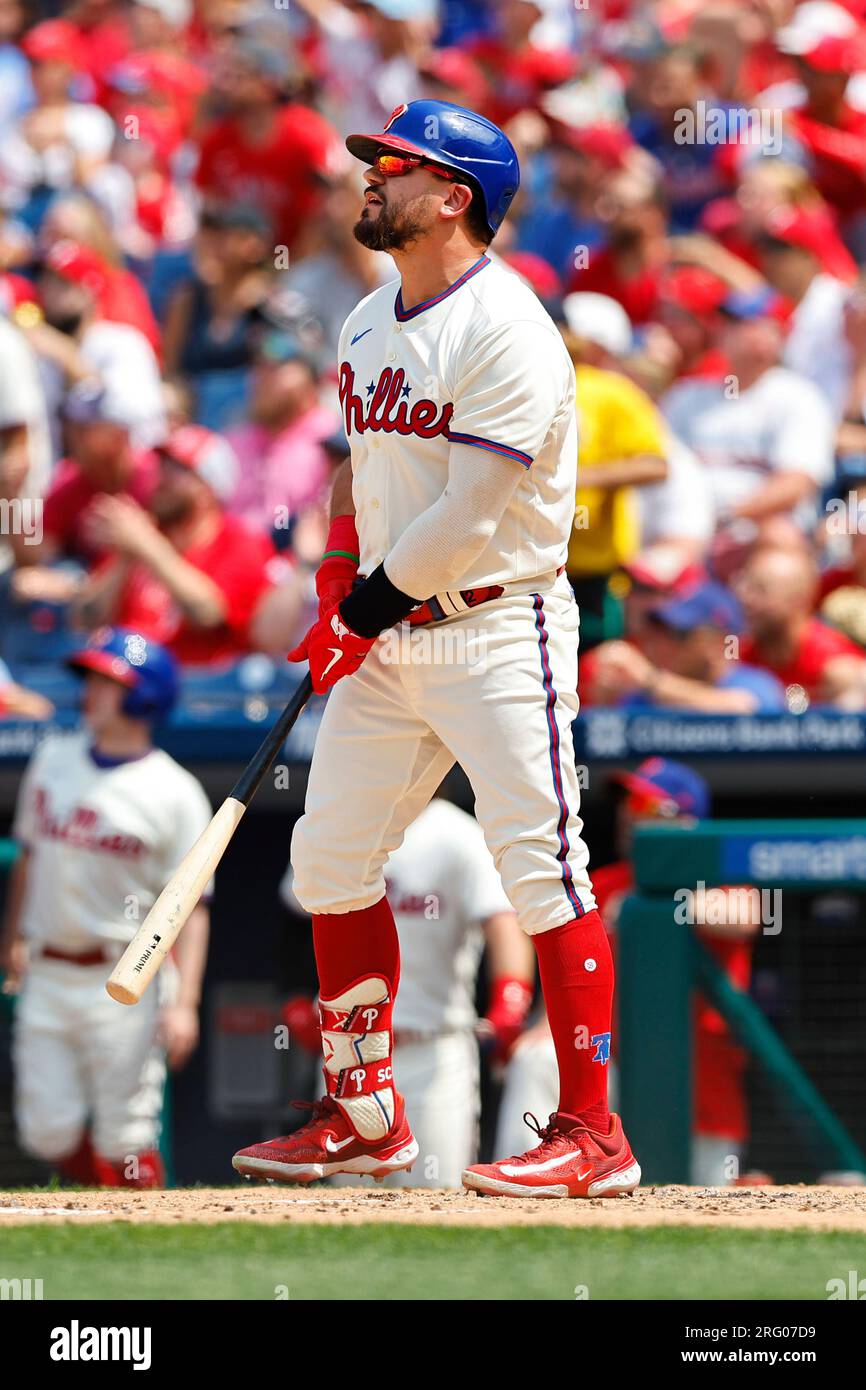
433	612
95	957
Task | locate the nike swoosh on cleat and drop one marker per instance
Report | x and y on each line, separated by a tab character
358	336
337	653
333	1147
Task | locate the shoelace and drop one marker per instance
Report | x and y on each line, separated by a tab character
319	1109
548	1135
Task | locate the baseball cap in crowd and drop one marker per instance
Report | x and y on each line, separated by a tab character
54	41
206	453
811	229
836	54
279	346
603	140
764	303
662	567
813	22
693	290
599	319
92	403
80	264
707	604
667	788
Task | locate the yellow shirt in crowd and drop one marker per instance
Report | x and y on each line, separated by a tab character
616	420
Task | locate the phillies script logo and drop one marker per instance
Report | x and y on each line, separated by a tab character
387	406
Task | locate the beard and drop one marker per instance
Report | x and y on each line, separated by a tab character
394	228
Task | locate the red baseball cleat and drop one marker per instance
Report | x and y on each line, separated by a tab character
326	1145
570	1161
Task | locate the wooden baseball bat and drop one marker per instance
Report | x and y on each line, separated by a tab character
163	924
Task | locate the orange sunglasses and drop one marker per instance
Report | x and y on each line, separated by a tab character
394	165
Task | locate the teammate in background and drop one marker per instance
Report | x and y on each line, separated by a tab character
103	820
448	901
457	507
662	790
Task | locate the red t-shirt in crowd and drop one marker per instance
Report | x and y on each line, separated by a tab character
638	295
71	493
240	562
719	1100
280	176
838	157
818	645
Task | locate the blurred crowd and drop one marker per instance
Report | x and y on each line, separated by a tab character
177	257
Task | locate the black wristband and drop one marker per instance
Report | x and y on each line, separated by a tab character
375	605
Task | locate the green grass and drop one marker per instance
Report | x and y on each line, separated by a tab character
379	1262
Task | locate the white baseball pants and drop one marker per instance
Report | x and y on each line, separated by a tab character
81	1057
494	689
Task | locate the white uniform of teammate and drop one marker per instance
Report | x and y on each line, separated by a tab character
442	887
103	842
481	365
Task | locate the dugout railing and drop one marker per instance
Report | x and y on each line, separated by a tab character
661	963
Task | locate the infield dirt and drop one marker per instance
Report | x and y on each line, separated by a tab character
769	1208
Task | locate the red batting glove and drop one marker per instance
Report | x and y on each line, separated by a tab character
339	567
301	1017
332	649
501	1026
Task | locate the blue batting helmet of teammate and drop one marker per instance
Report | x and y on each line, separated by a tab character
455	138
146	668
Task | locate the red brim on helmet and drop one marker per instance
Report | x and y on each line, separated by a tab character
104	664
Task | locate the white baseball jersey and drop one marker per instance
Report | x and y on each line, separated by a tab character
104	840
480	364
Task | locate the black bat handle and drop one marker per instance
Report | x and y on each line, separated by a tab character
250	779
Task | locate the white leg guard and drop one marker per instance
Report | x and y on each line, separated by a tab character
356	1042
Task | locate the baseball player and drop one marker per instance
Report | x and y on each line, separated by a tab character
103	819
447	900
458	400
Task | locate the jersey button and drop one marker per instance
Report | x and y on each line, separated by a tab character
374	503
392	357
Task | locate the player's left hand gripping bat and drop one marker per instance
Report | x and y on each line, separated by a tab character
161	927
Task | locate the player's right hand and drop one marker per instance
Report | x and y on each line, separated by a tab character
332	649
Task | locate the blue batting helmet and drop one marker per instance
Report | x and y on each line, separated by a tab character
456	138
147	669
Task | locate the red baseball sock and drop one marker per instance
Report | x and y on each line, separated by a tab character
576	969
350	945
